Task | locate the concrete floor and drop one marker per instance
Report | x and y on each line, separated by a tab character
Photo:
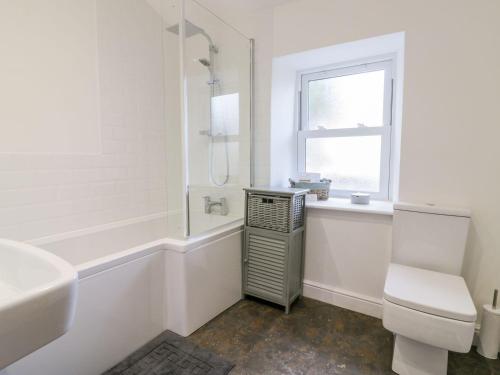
316	338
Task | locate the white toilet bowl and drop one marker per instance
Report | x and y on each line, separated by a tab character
430	313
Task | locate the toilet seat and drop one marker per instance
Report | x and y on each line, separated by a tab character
429	292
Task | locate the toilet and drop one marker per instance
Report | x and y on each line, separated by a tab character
426	303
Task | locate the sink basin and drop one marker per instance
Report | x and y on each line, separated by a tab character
37	299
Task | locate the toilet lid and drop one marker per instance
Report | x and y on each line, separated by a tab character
430	292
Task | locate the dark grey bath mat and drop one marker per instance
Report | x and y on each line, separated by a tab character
171	354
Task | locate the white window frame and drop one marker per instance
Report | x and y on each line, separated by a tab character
384	131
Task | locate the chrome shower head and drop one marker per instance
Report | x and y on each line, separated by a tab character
204	62
192	30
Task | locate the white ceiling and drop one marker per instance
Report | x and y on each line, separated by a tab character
242	5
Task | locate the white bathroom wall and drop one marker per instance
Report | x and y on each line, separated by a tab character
347	255
450	117
73	185
37	71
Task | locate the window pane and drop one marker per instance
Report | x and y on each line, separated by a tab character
352	163
349	101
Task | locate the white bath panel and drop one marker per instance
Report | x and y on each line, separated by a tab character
202	283
130	293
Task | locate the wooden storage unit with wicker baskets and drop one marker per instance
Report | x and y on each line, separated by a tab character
273	252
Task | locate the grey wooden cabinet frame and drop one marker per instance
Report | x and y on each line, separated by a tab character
273	248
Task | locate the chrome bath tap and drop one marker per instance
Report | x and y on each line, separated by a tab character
210	204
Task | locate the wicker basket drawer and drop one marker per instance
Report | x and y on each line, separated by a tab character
268	212
282	214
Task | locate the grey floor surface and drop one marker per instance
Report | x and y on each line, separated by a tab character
315	338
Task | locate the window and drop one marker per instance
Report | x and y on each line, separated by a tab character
345	127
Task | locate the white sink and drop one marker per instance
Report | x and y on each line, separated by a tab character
38	293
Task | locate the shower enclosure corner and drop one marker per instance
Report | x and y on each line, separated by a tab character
208	93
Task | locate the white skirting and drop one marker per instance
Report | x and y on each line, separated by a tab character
343	298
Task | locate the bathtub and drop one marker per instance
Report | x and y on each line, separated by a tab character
137	279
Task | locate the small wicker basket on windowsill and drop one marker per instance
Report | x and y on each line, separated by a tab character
321	189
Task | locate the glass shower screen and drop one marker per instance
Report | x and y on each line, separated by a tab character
215	122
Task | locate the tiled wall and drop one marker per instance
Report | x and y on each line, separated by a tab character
46	194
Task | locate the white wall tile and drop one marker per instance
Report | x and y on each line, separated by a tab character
44	194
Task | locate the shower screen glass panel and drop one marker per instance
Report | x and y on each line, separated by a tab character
217	71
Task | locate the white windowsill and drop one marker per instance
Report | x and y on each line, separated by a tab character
344	204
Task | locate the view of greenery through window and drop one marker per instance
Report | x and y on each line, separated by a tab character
347	101
353	163
355	102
